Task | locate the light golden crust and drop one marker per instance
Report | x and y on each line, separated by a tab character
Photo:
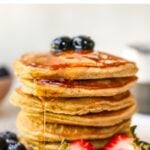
32	128
102	119
35	145
71	106
26	101
97	119
105	87
73	96
75	66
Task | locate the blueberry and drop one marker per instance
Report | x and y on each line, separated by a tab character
13	145
4	72
82	43
61	44
3	144
11	142
9	135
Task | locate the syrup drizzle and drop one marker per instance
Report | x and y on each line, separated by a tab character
88	84
41	145
72	59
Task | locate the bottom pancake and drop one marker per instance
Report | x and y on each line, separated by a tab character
33	128
36	145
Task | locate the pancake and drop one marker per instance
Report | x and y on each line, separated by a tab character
30	144
34	129
36	145
73	65
102	119
71	106
78	88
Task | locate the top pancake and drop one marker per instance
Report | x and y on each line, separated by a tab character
73	65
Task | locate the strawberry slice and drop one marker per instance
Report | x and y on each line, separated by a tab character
81	145
120	142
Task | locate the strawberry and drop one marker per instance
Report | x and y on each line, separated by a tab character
120	142
81	145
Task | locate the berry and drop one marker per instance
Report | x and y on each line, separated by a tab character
4	72
82	43
11	142
120	142
81	145
9	135
16	146
3	144
61	44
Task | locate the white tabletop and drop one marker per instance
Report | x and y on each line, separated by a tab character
8	114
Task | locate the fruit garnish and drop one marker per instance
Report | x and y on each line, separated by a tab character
3	144
4	72
81	145
76	145
9	135
120	142
9	141
124	142
61	44
15	146
82	43
78	44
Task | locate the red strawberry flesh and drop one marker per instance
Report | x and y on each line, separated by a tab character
120	142
81	145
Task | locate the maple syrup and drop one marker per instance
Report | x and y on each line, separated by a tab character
72	59
88	84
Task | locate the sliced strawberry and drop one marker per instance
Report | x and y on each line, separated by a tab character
81	145
120	142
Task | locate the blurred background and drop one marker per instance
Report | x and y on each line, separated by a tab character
123	30
26	28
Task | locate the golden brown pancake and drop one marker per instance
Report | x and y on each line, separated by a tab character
102	119
34	129
73	65
32	144
78	88
71	106
36	145
73	95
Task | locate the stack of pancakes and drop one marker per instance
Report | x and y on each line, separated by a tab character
72	95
